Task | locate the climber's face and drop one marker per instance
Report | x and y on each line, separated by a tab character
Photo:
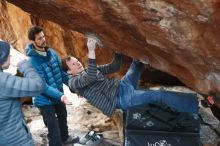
74	65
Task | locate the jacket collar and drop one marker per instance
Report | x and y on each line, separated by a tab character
30	51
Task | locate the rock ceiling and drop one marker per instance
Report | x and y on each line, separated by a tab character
180	38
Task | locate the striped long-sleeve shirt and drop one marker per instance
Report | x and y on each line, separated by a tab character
100	91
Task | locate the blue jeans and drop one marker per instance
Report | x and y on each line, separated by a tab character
130	97
55	118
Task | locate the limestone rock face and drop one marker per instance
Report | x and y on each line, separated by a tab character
12	29
177	37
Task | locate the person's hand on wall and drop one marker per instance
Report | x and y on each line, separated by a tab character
91	44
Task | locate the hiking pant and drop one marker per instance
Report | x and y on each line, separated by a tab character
55	118
130	96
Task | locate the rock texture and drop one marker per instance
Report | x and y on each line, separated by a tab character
12	29
178	37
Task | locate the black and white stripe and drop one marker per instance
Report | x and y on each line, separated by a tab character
100	91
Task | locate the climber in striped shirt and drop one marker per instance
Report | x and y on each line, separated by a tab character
108	94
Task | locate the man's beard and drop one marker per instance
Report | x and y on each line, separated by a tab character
41	46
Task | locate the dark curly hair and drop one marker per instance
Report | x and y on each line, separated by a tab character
33	31
63	63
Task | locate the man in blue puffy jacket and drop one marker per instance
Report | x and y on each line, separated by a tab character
13	129
51	101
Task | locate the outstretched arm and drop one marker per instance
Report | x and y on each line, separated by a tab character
49	90
111	67
107	68
29	85
88	77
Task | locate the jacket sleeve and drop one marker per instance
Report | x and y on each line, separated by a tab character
65	77
86	78
29	85
49	90
111	67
